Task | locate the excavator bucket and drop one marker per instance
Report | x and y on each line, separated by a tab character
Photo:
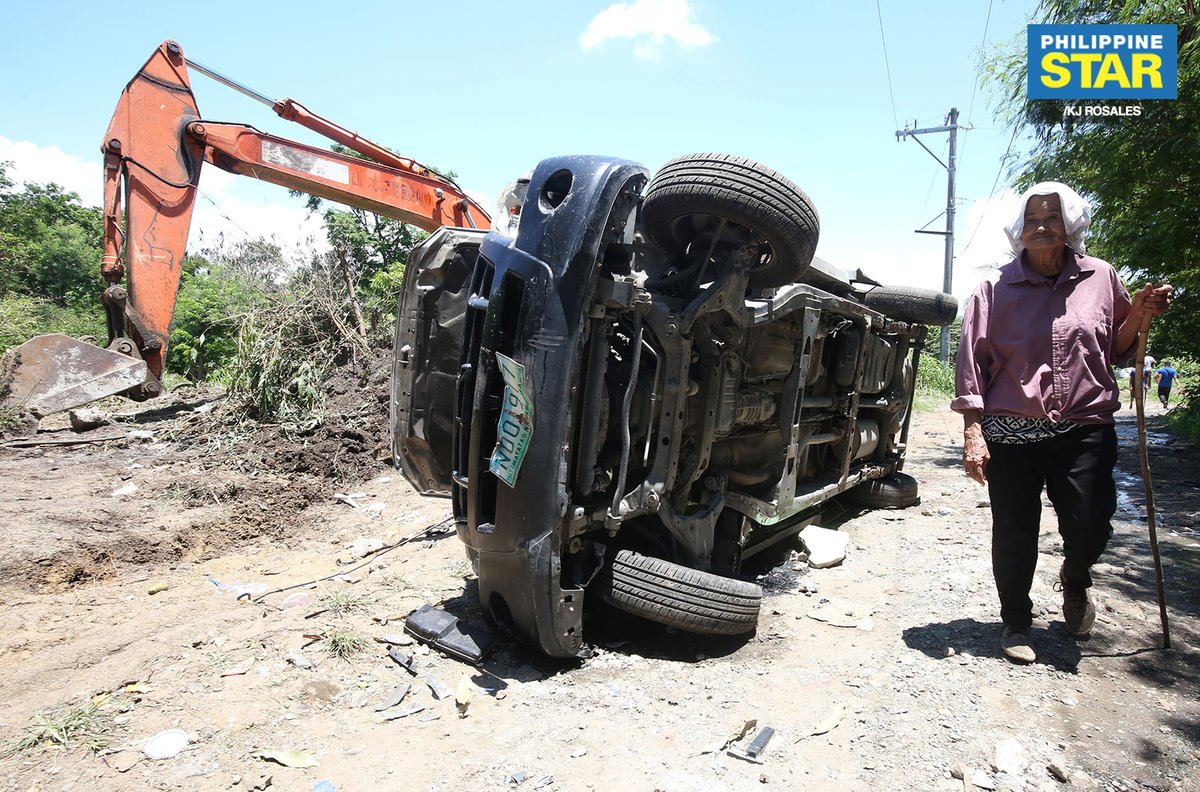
56	372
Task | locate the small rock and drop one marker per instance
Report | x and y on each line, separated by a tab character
949	652
128	489
397	639
87	419
1010	757
298	660
981	779
1057	768
1081	780
139	434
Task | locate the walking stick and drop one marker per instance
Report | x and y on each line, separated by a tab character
1140	398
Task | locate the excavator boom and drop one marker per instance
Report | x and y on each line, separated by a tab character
154	149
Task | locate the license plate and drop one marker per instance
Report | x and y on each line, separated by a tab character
515	427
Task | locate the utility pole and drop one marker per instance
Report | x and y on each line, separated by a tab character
952	127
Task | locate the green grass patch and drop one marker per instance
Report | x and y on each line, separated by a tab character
88	725
344	643
935	384
342	603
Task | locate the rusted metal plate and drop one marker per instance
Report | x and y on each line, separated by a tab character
57	372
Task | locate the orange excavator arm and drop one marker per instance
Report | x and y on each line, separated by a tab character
154	149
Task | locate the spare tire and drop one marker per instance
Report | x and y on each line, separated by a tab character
692	194
916	306
896	491
678	596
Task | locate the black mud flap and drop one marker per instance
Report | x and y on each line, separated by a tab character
449	634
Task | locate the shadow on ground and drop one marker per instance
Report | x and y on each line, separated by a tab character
1055	647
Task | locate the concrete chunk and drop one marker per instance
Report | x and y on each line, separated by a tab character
826	548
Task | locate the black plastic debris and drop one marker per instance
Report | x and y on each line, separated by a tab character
394	698
446	632
403	659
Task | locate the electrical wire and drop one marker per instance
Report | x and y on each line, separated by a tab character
428	532
221	212
887	66
991	192
975	87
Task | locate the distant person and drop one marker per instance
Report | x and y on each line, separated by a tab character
1035	386
1147	372
1165	377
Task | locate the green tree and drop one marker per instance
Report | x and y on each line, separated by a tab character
1141	173
213	300
49	243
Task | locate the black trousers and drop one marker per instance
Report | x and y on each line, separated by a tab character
1076	469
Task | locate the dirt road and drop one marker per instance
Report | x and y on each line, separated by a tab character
881	673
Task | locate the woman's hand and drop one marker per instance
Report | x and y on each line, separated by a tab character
1152	300
975	450
975	454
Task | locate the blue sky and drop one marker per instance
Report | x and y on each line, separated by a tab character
488	89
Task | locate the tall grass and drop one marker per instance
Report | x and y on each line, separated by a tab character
935	384
22	317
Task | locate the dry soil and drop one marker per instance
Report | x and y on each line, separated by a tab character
123	560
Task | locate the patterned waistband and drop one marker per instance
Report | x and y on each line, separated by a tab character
1016	429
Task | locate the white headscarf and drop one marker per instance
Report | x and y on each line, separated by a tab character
1077	215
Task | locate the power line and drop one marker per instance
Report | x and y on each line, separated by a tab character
886	65
991	192
982	44
221	212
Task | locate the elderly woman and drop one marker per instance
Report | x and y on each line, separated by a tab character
1037	394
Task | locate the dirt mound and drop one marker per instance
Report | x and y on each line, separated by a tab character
184	477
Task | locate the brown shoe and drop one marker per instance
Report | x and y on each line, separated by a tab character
1015	643
1078	611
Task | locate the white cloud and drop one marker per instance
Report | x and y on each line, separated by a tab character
649	23
229	208
33	163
